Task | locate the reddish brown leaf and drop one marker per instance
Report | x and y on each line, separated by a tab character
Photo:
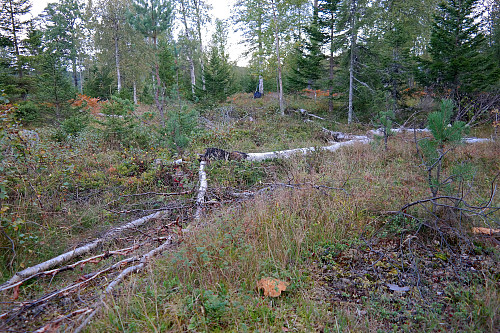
272	287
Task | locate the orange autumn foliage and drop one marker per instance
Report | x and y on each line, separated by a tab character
87	103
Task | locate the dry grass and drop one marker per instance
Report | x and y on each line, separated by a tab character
209	282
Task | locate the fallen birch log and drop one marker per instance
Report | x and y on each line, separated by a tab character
200	199
291	152
305	113
65	257
339	136
379	132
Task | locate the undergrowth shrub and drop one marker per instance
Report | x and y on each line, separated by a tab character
118	124
28	111
75	124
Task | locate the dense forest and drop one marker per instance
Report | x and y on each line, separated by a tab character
344	180
363	54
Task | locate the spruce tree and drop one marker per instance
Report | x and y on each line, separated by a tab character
327	14
307	67
12	26
495	31
218	70
458	65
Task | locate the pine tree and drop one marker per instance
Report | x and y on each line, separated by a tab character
62	34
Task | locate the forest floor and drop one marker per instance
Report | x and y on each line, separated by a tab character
335	227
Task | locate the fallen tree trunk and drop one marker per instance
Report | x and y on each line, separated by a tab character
306	114
291	152
200	199
379	132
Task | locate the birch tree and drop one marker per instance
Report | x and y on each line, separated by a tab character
153	18
252	20
111	29
185	12
201	18
278	58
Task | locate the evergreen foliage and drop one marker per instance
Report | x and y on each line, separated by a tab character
12	27
99	82
385	115
180	127
54	87
444	138
219	74
118	126
168	67
151	17
458	64
62	35
307	67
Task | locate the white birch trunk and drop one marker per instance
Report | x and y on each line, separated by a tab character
200	40
189	53
135	92
117	61
291	152
200	199
261	62
351	64
278	59
31	271
118	74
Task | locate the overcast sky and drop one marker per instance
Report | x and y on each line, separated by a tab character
221	10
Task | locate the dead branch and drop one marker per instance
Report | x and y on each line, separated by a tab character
53	325
130	270
65	257
149	194
81	283
272	186
81	263
339	136
162	209
306	113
